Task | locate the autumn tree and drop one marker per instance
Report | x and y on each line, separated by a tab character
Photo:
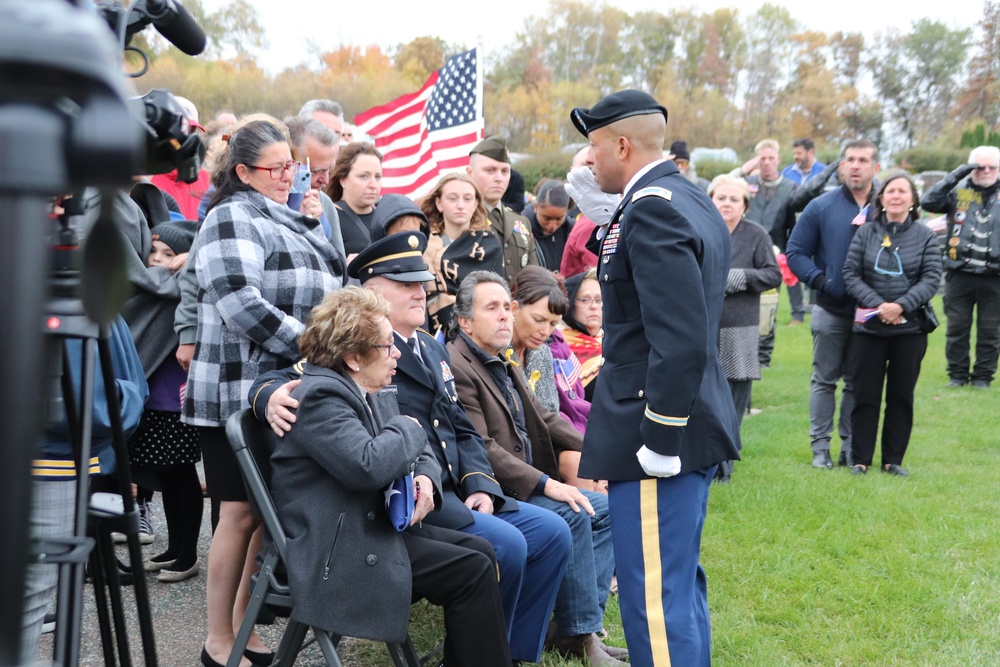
979	98
767	59
915	74
419	57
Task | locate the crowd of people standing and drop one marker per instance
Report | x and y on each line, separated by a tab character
548	419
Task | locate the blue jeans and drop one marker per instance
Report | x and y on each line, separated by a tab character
584	592
532	546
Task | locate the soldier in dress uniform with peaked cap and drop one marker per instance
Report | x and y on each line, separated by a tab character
662	416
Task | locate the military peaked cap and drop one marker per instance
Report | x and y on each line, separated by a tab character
399	257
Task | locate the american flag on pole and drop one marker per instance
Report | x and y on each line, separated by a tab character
426	134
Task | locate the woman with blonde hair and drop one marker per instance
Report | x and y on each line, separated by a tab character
752	270
461	241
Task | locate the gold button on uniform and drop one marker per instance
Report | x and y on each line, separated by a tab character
436	422
444	445
641	393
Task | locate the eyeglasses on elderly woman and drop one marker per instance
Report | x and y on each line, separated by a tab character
388	348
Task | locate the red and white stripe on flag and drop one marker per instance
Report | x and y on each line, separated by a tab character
426	134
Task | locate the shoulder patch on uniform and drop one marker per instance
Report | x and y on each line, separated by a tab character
653	191
299	365
425	331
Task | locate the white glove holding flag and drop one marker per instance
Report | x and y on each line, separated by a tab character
596	205
658	465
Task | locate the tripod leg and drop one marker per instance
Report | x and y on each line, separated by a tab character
125	482
99	582
115	595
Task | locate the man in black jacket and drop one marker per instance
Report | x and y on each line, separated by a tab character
972	261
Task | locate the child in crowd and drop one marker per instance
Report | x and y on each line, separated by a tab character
164	451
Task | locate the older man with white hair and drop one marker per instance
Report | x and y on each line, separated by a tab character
969	196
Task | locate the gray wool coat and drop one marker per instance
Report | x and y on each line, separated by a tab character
348	568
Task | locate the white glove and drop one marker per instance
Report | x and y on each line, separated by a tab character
658	465
596	205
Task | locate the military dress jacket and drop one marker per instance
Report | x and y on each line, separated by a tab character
514	231
426	391
662	265
548	431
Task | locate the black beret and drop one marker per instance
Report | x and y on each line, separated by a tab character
493	147
399	257
614	107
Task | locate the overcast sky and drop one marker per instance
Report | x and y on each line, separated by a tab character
292	25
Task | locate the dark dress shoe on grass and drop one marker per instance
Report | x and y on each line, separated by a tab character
845	460
980	384
859	470
894	469
954	383
821	459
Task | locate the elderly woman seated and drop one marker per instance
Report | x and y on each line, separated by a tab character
349	570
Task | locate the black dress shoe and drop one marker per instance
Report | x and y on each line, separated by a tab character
845	460
207	660
260	658
821	459
894	469
859	470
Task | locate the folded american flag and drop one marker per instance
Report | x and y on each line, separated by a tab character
862	315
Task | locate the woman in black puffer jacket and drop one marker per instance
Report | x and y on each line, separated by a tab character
893	269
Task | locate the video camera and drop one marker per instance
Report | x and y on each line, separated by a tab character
171	142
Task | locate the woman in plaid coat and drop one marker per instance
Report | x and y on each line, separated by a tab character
261	268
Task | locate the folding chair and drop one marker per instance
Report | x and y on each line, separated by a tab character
248	440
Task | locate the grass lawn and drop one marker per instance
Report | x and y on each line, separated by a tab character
815	567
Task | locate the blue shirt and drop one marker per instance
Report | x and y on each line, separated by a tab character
795	174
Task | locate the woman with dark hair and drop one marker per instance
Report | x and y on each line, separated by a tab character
893	269
550	222
355	186
461	241
752	270
583	326
261	268
550	368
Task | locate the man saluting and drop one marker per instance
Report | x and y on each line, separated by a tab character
662	415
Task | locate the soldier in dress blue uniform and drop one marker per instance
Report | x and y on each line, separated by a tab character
532	544
662	416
